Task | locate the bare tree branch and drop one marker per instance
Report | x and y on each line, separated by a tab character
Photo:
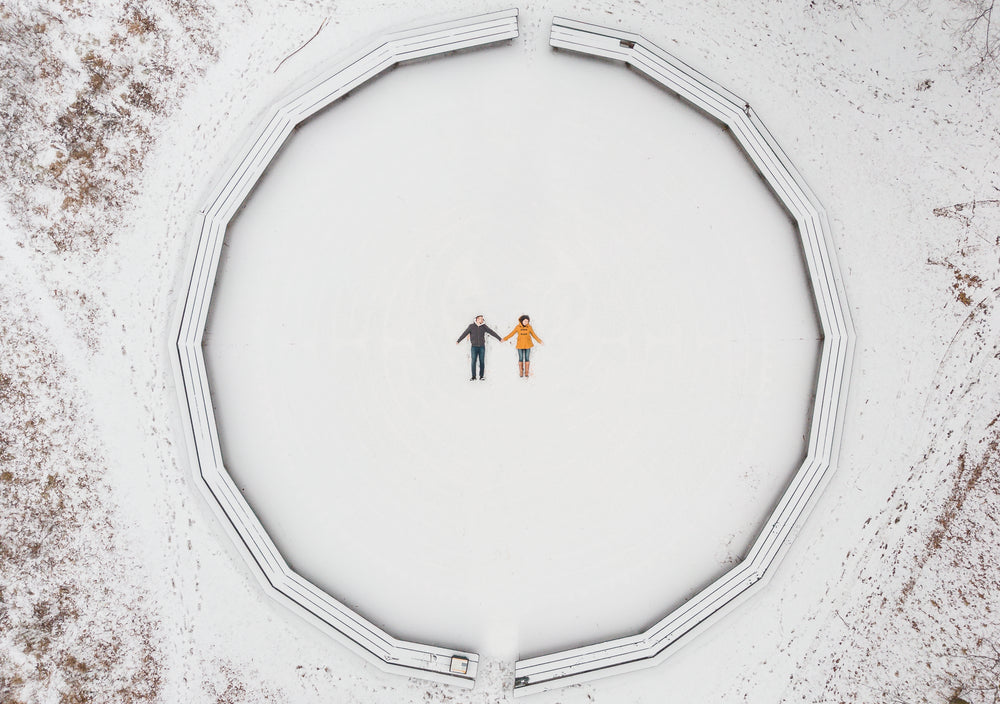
322	24
980	24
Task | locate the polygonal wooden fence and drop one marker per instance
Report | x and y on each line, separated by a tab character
565	667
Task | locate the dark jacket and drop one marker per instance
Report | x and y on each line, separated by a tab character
477	334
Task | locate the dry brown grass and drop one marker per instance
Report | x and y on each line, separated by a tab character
964	285
77	130
64	608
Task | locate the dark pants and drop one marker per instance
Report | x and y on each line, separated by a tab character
481	353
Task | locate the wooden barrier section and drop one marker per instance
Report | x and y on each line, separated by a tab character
652	646
252	159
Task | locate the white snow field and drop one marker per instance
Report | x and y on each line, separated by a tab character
667	409
513	180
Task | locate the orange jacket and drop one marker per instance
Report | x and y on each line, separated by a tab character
524	334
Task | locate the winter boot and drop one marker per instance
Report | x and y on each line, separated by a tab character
527	368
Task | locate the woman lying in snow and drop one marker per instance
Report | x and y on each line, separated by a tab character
524	344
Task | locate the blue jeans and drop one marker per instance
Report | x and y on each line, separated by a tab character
481	353
524	355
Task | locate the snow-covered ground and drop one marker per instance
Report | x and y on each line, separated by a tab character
668	406
117	584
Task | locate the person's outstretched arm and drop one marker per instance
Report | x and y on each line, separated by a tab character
531	330
490	331
462	336
512	333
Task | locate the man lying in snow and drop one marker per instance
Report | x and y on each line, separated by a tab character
477	336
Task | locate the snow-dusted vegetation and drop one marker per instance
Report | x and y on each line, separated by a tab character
117	585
